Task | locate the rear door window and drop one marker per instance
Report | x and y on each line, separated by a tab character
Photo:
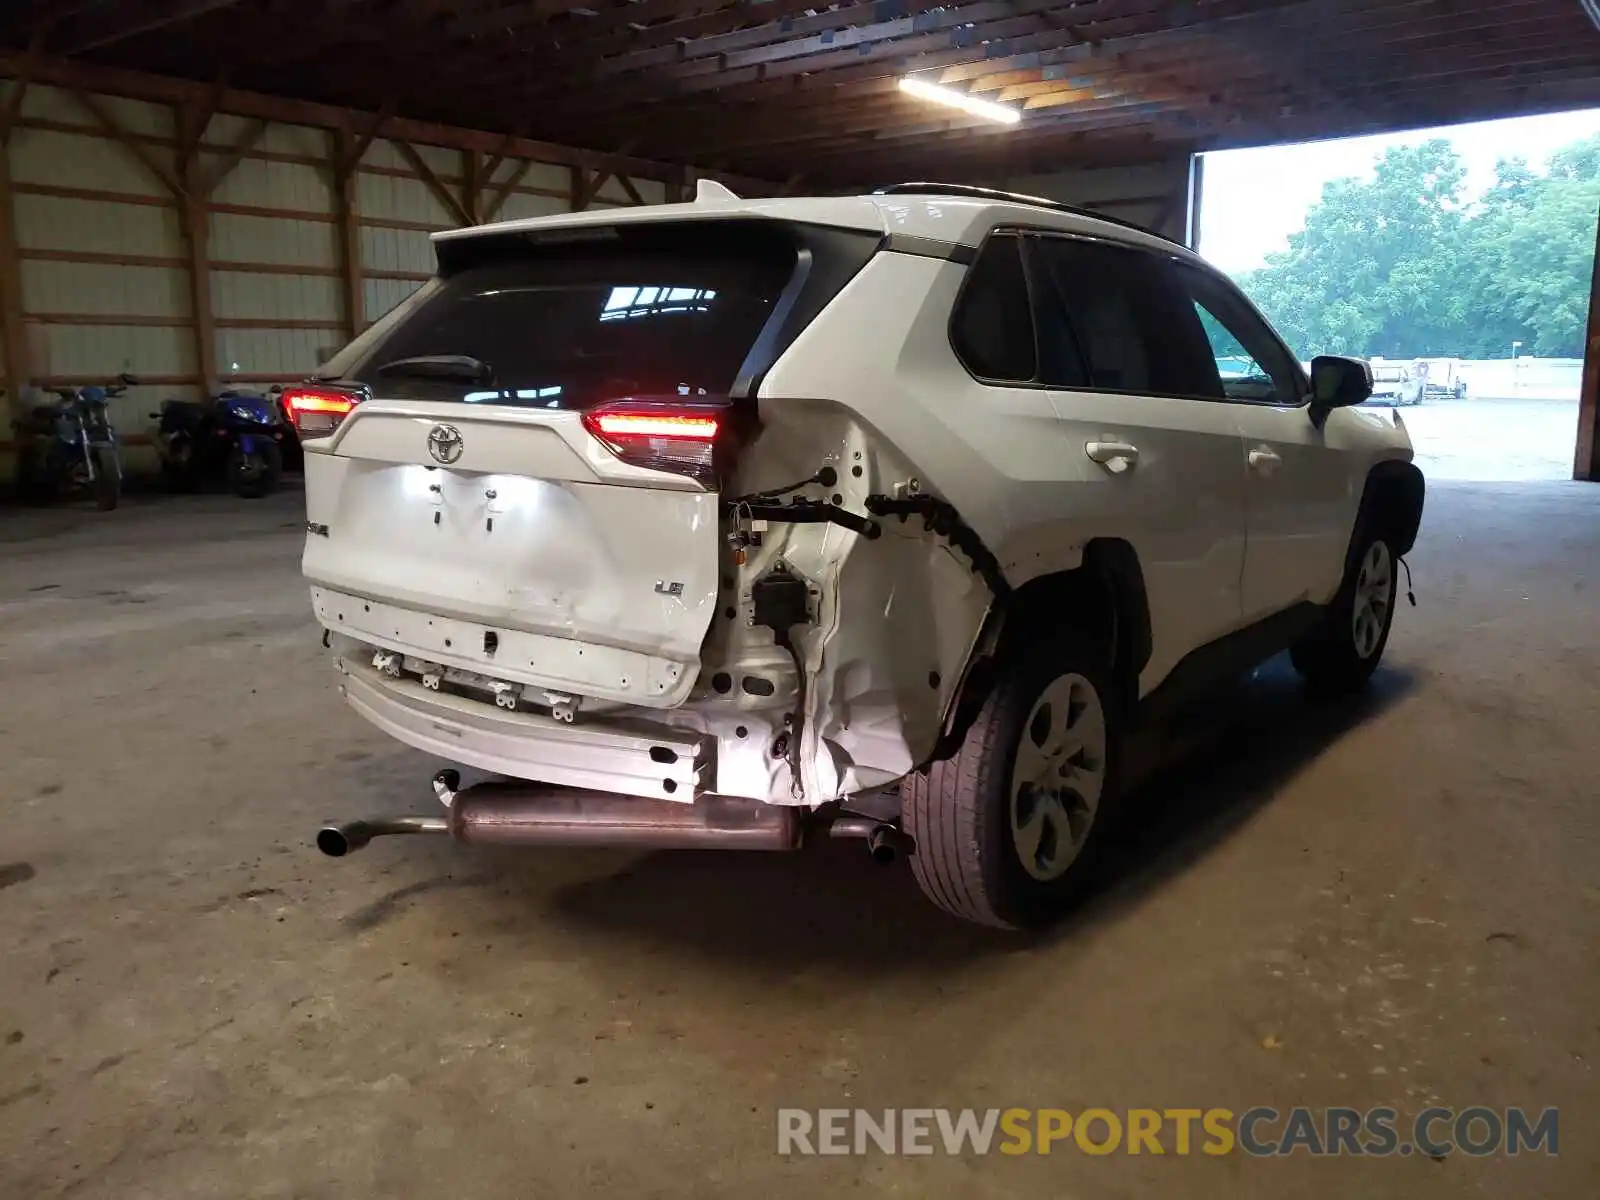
991	328
660	311
1126	328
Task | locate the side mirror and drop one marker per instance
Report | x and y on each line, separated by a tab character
1338	382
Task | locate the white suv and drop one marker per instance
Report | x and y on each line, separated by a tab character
709	524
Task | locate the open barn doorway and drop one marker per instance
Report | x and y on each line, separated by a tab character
1458	260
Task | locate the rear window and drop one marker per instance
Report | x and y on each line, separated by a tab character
658	310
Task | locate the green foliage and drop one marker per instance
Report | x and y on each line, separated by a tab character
1400	266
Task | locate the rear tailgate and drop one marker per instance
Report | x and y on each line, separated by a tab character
466	514
530	531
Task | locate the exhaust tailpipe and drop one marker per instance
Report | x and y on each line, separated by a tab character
886	843
526	814
338	840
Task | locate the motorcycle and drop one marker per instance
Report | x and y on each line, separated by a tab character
235	435
71	446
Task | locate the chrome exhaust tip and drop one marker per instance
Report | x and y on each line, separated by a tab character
338	840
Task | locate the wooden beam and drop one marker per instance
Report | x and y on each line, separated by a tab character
1586	457
471	185
13	334
232	157
164	90
196	120
633	192
444	195
349	219
195	222
19	89
355	148
114	128
498	198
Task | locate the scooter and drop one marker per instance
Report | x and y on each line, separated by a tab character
71	446
236	435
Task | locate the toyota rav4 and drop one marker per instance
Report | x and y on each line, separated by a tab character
712	524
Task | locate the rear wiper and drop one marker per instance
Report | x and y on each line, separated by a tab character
441	366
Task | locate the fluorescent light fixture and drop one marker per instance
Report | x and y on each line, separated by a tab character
970	104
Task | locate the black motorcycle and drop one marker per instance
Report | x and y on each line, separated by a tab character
70	446
236	436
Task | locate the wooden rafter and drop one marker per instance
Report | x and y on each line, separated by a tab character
233	156
451	202
498	198
114	128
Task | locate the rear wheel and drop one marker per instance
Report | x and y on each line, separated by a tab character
1341	654
255	474
1007	829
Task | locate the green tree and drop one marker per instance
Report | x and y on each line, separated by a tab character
1399	266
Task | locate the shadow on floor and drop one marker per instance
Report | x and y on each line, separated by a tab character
830	904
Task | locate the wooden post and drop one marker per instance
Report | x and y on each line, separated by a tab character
346	160
19	370
1586	459
194	217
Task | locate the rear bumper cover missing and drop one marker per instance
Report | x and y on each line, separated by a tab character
633	759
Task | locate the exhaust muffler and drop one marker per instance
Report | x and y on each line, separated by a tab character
527	814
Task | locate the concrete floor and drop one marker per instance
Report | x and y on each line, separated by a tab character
1396	902
1487	439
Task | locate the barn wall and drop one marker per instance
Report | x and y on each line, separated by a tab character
104	268
1156	196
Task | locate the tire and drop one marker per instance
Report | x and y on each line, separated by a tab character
1342	652
107	481
255	475
971	816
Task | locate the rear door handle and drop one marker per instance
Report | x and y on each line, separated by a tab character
1263	460
1117	456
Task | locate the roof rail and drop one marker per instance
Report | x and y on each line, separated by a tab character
983	193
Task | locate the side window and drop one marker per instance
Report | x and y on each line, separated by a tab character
1251	361
992	328
1120	326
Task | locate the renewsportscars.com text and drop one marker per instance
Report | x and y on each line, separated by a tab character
1259	1132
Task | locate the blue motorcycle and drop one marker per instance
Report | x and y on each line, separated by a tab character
70	446
236	435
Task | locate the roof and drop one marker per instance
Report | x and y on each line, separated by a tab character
945	217
804	93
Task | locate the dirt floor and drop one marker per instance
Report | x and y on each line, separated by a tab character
1395	902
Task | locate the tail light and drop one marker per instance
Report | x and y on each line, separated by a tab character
317	409
664	436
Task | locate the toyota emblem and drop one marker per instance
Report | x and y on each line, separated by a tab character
444	443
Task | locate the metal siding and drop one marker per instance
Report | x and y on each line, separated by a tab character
291	352
81	161
298	139
396	250
263	184
51	223
544	175
384	294
273	240
137	116
103	352
389	198
381	153
518	205
236	295
58	287
443	161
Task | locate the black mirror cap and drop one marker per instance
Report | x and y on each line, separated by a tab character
1339	382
